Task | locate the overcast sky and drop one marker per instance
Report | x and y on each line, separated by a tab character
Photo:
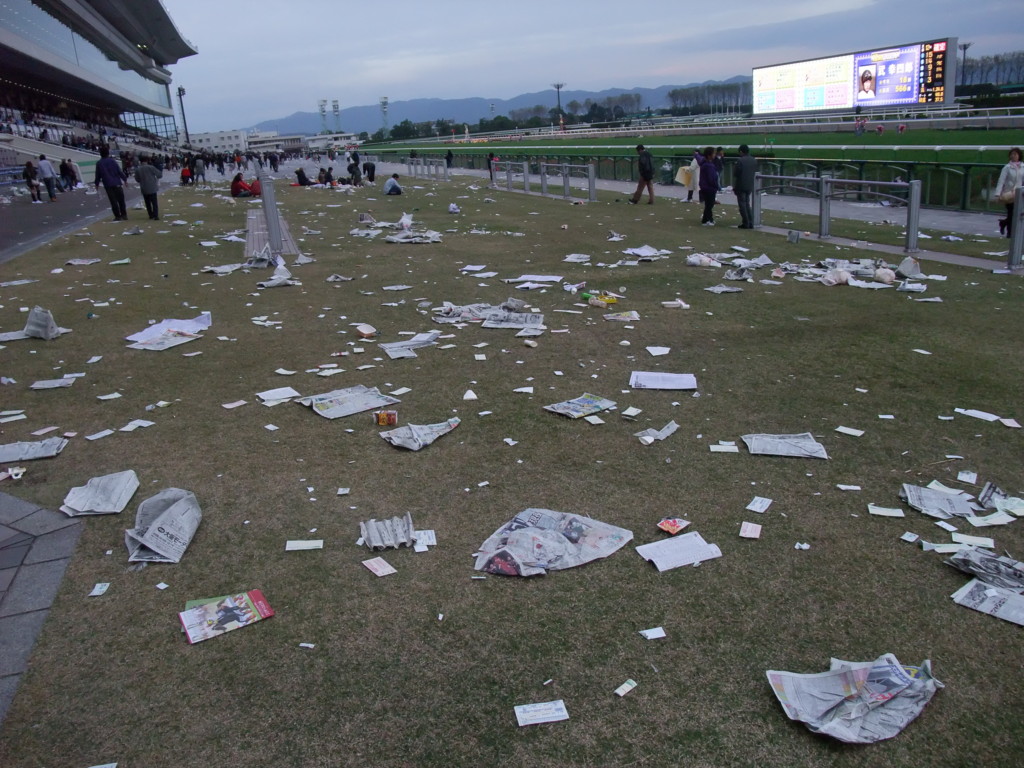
260	60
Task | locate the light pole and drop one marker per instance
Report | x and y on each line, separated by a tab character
558	91
963	69
181	104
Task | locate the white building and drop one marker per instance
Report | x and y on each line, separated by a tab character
221	141
325	141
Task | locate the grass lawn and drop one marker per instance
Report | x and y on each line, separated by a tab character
113	679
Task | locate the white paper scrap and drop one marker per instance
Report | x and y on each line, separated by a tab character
99	589
750	530
379	566
625	688
850	431
653	634
874	509
544	712
298	545
974	541
759	504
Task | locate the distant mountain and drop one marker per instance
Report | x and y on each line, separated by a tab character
368	118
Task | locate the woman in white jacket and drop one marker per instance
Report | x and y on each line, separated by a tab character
1011	177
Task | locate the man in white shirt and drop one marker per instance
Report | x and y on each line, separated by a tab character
391	186
49	177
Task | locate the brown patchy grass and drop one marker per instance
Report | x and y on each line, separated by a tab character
388	685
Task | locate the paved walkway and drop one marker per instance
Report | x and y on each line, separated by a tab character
35	548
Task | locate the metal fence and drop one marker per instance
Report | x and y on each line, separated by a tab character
564	177
827	189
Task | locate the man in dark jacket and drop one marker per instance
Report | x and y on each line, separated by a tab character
113	178
148	176
645	167
743	185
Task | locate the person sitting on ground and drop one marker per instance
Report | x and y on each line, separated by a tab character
321	178
186	176
239	188
391	186
329	176
256	187
303	179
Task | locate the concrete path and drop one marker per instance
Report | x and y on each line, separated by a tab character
35	547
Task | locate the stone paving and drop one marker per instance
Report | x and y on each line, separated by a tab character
36	545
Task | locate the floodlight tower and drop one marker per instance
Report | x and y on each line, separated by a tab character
322	104
558	92
384	113
337	116
963	69
184	122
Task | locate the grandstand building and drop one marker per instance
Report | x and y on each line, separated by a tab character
94	62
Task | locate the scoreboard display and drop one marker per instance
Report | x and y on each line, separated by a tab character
917	73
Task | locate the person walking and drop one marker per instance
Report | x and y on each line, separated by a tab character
49	177
694	170
743	186
148	176
199	172
708	185
31	177
449	157
1010	178
112	177
645	167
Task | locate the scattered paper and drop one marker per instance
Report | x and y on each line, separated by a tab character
546	712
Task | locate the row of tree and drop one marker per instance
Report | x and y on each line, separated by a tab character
1001	69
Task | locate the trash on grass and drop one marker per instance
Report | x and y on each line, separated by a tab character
417	436
103	495
164	527
688	549
539	540
856	702
214	617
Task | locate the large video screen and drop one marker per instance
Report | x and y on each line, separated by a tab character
916	73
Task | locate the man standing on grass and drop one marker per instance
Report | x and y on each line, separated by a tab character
645	167
113	178
148	176
743	186
708	186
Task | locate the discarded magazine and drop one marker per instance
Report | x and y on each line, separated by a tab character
164	527
345	402
416	436
539	540
856	702
205	619
584	405
103	495
803	445
388	534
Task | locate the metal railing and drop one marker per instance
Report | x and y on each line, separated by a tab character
546	174
826	189
427	168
